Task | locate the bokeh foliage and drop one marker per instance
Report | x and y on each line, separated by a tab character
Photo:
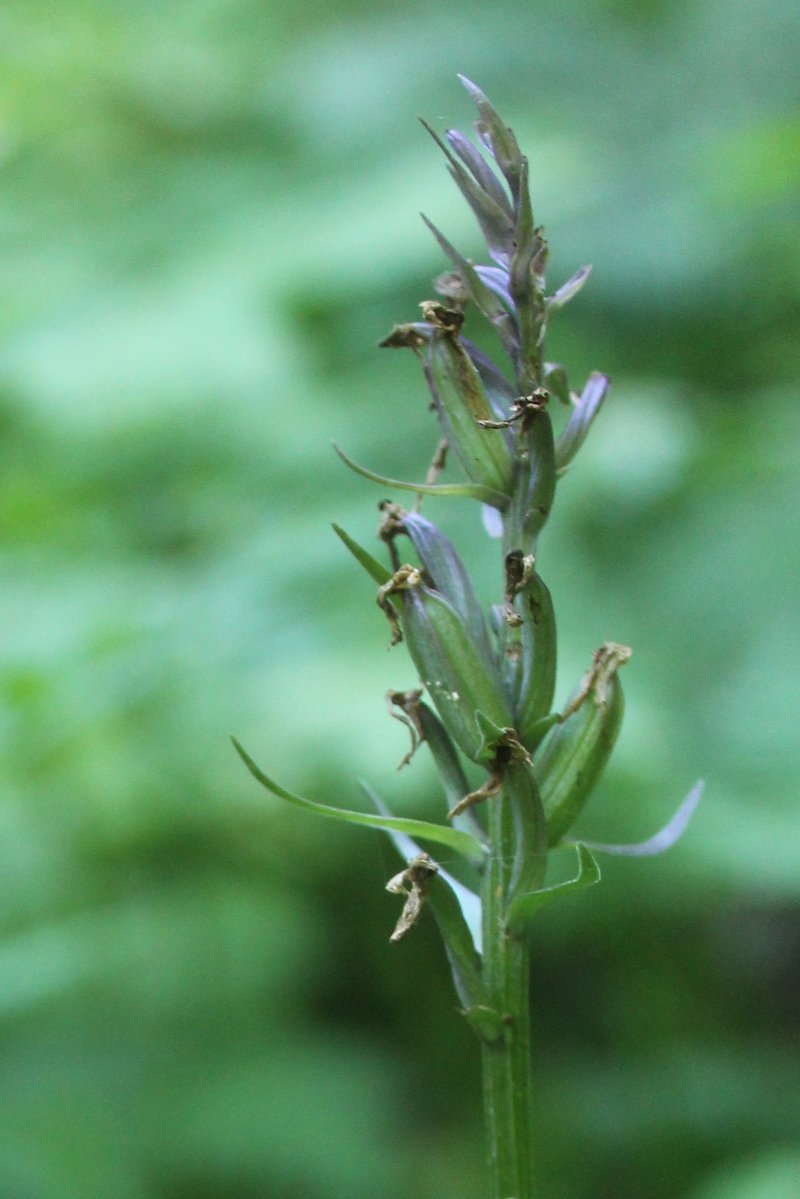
209	218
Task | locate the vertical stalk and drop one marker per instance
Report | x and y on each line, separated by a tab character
507	1086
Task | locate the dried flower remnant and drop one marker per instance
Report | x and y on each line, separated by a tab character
413	882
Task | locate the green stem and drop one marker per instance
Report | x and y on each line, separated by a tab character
506	1061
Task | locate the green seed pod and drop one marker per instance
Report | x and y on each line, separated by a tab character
530	830
542	487
578	749
460	402
446	572
457	677
538	661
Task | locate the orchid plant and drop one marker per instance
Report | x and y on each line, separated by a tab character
490	678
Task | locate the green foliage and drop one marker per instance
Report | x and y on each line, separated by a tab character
202	211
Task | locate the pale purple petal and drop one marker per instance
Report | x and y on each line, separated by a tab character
496	279
664	838
569	289
492	521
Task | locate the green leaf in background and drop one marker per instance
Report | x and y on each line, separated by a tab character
771	1175
195	263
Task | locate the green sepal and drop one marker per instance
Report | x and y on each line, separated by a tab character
463	843
488	1024
473	491
458	679
375	569
491	734
525	906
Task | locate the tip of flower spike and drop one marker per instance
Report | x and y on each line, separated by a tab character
492	521
471	88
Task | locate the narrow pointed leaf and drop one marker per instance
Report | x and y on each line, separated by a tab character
474	491
583	414
454	839
665	838
481	295
372	566
524	907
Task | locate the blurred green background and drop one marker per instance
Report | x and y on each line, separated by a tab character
209	216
